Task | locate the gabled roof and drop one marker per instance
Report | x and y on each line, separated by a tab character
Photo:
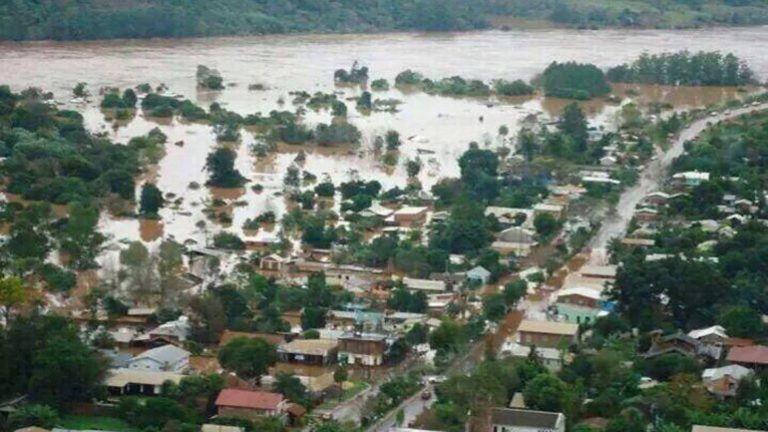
755	354
478	271
715	330
166	354
122	377
734	371
526	418
320	347
580	291
548	327
249	399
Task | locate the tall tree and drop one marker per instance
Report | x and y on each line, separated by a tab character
248	358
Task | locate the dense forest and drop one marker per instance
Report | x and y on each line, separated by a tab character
101	19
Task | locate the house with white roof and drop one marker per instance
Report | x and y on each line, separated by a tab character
479	274
579	304
724	381
690	179
517	240
167	358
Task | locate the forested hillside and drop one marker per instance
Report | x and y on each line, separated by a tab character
102	19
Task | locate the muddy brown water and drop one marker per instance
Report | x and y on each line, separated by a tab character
440	125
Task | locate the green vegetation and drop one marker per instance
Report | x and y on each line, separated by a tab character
221	168
91	19
512	88
684	68
728	274
574	81
77	422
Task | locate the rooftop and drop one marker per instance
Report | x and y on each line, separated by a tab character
249	399
318	347
166	354
756	354
548	327
526	418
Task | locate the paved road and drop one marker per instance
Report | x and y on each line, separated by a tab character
652	177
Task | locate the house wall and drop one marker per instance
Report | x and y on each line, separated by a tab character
578	300
244	413
575	314
543	339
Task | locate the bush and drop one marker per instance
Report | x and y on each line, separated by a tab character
514	88
227	240
574	81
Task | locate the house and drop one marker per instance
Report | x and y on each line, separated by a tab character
607	272
646	214
479	274
167	358
427	285
608	160
363	319
250	405
754	356
522	420
556	210
398	321
713	335
121	382
546	333
438	303
690	179
358	348
674	343
656	199
274	262
376	210
309	351
637	242
210	427
171	332
517	240
579	305
410	216
551	358
724	381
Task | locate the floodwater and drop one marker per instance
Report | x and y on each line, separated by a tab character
442	125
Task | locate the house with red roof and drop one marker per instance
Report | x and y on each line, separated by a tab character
250	405
753	356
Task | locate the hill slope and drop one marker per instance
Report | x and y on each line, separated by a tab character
105	19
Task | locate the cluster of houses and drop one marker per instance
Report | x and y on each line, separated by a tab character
732	359
732	211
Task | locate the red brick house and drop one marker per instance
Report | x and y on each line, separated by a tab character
250	405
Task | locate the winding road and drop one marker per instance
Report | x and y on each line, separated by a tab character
615	225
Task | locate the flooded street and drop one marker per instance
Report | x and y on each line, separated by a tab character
652	179
441	127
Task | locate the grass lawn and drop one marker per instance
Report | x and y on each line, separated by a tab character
76	422
349	392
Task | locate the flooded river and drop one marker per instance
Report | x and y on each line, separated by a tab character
442	126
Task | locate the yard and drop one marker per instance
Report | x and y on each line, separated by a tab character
78	422
353	389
